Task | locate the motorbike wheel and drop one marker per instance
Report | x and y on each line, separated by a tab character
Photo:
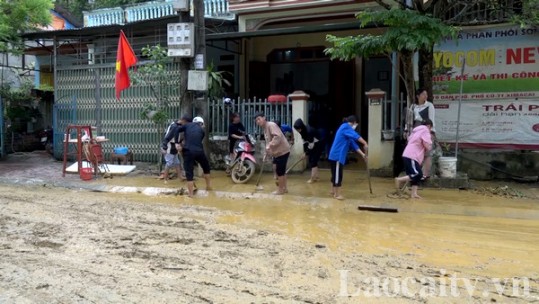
243	171
48	148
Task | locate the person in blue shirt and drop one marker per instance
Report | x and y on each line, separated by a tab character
287	131
346	138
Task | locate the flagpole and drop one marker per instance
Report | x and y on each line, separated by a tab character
97	101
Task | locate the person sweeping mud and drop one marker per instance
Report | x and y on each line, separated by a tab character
313	145
345	138
419	143
277	147
193	151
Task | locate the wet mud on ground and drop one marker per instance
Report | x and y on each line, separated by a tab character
64	246
63	241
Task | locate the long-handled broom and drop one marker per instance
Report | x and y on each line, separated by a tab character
368	174
259	187
290	168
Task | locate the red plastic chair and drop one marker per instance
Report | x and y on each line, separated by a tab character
94	155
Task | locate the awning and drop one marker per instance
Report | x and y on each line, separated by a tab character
88	32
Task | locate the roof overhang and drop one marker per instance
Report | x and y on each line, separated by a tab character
286	31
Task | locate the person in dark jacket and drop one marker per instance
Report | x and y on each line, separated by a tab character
313	145
193	151
236	131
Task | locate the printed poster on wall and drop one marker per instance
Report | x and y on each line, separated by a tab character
500	99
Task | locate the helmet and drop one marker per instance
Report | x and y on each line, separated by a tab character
199	120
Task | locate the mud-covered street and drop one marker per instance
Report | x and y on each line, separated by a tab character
65	246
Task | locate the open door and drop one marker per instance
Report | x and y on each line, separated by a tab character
342	91
259	79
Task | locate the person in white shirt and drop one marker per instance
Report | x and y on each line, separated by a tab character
419	112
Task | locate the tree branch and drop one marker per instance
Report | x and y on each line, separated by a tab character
418	5
429	6
383	4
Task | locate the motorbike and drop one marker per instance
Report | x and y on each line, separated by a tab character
46	139
243	166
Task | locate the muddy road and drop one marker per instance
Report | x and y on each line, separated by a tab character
65	246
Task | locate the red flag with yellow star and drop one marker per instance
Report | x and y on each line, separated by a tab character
125	58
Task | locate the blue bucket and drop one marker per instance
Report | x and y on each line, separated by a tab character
121	150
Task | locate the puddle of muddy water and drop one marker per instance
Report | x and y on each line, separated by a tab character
450	229
495	247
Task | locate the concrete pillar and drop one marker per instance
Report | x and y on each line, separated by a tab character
299	110
380	151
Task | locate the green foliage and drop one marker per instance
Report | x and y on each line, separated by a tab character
46	87
153	74
348	48
529	15
405	30
14	97
18	16
216	82
20	105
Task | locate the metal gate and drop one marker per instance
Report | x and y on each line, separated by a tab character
2	135
87	97
219	114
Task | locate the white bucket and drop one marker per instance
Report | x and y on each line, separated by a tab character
448	167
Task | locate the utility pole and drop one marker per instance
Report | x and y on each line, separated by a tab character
193	103
200	100
200	49
185	65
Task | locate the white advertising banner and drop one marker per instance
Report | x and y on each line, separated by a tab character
490	124
500	99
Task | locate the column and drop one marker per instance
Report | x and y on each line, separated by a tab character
299	110
380	151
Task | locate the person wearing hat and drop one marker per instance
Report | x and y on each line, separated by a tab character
345	138
277	147
193	151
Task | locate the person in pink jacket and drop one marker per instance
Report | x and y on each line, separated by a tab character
419	143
